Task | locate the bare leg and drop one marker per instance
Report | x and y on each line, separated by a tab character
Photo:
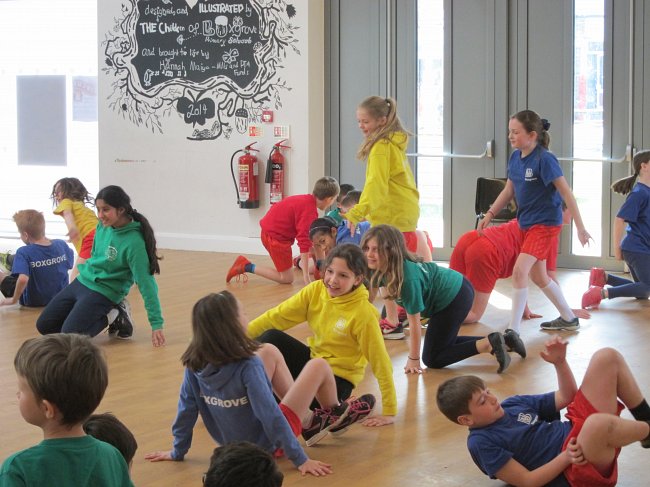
603	433
75	270
423	249
315	380
391	311
520	272
276	369
478	307
284	277
607	378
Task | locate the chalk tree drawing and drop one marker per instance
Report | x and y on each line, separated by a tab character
206	61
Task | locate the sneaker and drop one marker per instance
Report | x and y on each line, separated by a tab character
401	314
592	298
597	277
514	342
238	268
6	260
560	323
323	421
359	409
499	350
296	262
390	331
124	321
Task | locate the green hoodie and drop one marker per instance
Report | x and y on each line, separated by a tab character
119	259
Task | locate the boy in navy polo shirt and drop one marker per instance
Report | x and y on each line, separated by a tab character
40	268
522	441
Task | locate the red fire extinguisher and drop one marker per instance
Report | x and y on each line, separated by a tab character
275	171
248	195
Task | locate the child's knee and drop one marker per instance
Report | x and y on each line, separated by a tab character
319	364
606	356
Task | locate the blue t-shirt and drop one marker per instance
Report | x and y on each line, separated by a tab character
538	202
636	212
529	432
47	268
343	233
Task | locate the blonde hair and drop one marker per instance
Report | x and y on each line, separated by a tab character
625	185
31	222
392	252
378	107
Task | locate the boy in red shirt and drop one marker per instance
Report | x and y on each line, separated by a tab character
285	222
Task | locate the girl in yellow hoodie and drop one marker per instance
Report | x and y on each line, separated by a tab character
389	195
344	328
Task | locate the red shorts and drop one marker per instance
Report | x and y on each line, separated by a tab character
478	260
586	475
539	239
87	245
411	240
279	250
294	423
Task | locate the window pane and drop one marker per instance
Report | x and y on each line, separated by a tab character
588	120
429	125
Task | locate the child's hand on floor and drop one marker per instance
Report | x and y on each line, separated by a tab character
159	456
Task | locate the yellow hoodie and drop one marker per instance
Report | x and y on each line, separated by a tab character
346	334
389	195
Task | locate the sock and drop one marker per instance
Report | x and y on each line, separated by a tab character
111	315
250	268
641	412
306	421
555	296
519	297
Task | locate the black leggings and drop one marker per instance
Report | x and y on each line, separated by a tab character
442	345
296	354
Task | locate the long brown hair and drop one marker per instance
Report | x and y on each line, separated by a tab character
392	252
532	122
378	107
217	335
625	185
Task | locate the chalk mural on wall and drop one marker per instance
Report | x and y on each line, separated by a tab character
213	63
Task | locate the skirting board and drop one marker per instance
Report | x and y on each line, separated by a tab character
213	243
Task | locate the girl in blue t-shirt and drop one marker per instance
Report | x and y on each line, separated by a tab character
631	240
440	294
535	179
226	384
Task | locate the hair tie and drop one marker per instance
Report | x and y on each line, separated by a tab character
133	211
546	124
387	101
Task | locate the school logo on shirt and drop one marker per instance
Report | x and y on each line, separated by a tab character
111	253
527	418
340	326
529	176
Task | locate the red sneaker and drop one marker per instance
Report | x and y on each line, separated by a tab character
597	277
238	268
592	298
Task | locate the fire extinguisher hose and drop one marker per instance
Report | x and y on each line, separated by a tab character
232	171
268	177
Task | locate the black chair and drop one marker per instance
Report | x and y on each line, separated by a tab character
487	190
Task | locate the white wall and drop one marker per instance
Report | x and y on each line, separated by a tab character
185	187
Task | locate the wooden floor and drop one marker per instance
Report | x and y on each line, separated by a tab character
422	448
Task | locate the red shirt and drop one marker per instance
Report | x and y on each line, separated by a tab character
290	219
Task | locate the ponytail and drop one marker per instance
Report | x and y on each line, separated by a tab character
625	185
378	107
117	198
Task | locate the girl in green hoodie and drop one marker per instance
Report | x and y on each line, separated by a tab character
124	253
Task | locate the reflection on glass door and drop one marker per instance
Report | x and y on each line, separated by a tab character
429	116
588	120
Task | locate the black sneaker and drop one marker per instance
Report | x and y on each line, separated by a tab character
323	421
514	342
359	409
499	350
124	321
560	323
